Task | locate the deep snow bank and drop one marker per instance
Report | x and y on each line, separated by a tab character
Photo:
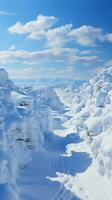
25	117
91	118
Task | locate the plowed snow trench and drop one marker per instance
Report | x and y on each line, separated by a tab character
33	180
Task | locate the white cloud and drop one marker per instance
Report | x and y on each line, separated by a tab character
42	27
12	47
18	74
59	36
31	63
40	72
108	37
52	55
89	52
57	59
5	13
49	63
34	29
87	35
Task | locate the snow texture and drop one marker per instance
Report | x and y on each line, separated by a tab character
56	144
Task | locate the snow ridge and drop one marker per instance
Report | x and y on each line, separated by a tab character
91	118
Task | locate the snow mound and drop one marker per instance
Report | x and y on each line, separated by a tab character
25	119
3	75
91	118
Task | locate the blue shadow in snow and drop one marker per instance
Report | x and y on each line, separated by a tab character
56	143
78	162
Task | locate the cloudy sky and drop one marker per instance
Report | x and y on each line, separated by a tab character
55	38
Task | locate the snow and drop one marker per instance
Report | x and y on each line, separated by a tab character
91	117
94	125
55	143
100	98
3	75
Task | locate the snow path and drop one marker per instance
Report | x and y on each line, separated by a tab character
34	182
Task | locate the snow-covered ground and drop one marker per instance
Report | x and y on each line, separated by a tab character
56	144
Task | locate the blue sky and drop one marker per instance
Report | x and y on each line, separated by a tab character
55	39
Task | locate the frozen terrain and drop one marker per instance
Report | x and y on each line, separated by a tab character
56	144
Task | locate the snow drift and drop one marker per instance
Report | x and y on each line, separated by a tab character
91	118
